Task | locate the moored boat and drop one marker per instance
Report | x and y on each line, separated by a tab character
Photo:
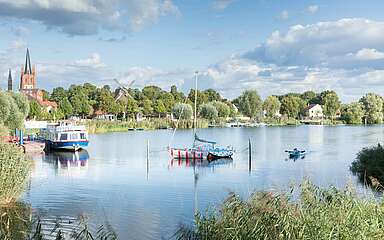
65	136
295	153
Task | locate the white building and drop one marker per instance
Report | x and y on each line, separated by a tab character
313	111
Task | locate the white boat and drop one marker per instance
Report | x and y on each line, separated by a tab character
65	136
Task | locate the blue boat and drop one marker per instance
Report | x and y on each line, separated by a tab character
65	136
295	153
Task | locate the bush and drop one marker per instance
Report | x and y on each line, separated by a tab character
208	111
317	214
182	111
369	164
14	172
223	109
15	221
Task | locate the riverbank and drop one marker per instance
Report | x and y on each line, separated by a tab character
319	213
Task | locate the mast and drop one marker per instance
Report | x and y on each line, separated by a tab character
195	117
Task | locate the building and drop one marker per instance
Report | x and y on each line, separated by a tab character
313	111
28	85
10	80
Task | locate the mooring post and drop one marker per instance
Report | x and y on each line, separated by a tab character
21	138
249	155
147	157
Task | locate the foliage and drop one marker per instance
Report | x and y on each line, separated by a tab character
14	172
4	107
65	107
22	103
353	113
373	106
249	103
317	214
369	163
35	110
310	97
15	221
331	104
182	111
272	106
223	110
15	118
208	111
292	106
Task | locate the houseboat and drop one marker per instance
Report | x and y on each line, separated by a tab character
65	136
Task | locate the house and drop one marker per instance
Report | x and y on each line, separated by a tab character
100	115
313	111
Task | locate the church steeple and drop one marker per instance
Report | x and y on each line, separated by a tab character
28	68
9	80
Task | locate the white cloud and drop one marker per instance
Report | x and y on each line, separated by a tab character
221	4
313	9
94	61
85	17
368	54
18	44
284	15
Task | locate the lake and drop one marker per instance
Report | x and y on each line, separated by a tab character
113	182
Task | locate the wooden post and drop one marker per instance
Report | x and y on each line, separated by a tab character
249	155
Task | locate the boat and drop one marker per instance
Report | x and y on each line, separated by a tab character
295	153
201	148
65	136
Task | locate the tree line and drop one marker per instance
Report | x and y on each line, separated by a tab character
14	108
85	100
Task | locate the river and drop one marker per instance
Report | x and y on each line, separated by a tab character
113	182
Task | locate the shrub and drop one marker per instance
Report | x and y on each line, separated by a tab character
223	109
208	111
182	111
369	163
15	221
14	172
317	214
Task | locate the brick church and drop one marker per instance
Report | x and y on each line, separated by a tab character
28	85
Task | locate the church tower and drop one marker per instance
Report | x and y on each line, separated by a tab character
28	74
10	80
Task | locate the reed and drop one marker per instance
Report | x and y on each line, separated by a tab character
317	214
14	172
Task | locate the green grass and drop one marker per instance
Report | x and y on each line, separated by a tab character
14	172
317	214
369	165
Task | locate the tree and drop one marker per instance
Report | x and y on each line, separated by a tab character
292	106
249	103
168	101
105	101
15	118
5	108
182	111
353	113
65	107
159	107
201	97
35	110
22	103
146	106
79	100
132	107
272	106
58	94
223	109
310	97
208	111
331	104
152	92
212	95
373	106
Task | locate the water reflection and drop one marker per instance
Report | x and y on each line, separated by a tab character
200	163
15	221
68	163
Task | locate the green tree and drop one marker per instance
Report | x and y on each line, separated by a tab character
182	111
310	97
105	101
223	109
353	113
272	106
146	106
5	108
15	118
159	107
58	94
292	106
65	107
208	111
168	101
22	103
152	92
35	110
201	97
79	100
249	103
331	104
373	106
212	95
132	107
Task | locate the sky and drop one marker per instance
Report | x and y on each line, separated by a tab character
273	46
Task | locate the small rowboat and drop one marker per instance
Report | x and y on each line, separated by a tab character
295	153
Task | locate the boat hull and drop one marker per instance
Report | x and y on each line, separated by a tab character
68	145
187	154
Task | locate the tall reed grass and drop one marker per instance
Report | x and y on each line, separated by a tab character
14	172
317	214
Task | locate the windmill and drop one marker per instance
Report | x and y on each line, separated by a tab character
123	90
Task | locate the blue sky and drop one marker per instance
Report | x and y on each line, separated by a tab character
273	46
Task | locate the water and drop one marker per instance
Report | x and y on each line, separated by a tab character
113	182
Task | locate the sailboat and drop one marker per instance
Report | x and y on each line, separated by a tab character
201	148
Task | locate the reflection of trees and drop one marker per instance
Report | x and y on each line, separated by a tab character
15	221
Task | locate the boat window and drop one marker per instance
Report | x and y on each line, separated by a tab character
83	136
74	136
63	136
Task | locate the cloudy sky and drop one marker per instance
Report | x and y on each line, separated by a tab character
274	46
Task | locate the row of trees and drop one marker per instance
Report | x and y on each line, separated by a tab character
85	100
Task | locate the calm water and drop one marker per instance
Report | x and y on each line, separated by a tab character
112	182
